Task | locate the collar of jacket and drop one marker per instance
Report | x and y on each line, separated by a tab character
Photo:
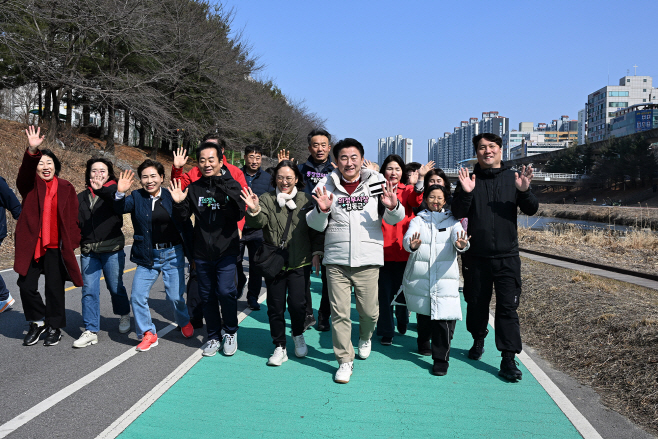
488	172
256	175
319	167
435	217
366	179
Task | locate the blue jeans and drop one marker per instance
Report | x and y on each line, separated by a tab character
111	264
171	263
216	281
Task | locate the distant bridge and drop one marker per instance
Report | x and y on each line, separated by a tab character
544	178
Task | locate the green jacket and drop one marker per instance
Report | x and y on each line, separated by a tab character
303	241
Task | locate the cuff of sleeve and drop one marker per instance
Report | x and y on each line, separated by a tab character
420	186
255	212
318	253
397	206
119	195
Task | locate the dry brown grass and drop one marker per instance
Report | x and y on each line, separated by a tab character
634	250
600	331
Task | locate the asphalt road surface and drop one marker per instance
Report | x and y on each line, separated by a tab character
62	392
30	375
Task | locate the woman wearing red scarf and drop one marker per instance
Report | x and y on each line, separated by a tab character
47	234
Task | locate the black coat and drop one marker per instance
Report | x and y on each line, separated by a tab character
491	209
100	223
217	207
8	201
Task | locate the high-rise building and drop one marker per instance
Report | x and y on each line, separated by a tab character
451	149
582	127
395	145
603	104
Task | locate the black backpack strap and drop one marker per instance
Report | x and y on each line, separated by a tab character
285	231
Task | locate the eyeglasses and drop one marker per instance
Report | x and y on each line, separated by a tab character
282	178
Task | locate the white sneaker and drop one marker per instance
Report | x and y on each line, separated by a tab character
124	324
85	340
278	357
344	372
230	344
364	348
300	346
210	348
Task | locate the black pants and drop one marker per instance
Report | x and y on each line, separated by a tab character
440	332
390	280
251	240
54	310
481	275
294	282
324	300
194	302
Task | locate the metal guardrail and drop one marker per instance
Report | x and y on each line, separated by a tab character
537	176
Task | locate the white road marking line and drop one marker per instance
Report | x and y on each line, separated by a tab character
134	412
22	419
571	412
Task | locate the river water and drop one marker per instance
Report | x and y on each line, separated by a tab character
543	223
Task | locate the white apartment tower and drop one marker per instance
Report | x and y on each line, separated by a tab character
395	145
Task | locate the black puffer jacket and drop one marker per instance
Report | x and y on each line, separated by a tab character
217	207
491	210
100	222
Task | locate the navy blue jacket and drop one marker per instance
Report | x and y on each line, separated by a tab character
8	201
261	183
138	204
313	173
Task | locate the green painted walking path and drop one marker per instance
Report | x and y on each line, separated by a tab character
392	394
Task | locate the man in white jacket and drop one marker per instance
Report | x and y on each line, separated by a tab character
352	201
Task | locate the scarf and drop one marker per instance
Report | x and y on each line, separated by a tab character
106	184
49	233
286	199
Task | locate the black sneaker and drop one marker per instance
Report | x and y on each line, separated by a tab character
53	336
33	334
509	369
309	321
386	341
323	322
440	368
253	303
425	348
476	351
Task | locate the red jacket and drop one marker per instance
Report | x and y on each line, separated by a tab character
393	235
33	190
194	174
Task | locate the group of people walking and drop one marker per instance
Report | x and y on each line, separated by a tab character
393	245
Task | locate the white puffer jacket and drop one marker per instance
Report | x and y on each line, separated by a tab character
431	279
353	235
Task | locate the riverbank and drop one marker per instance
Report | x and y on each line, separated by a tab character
634	216
635	250
600	331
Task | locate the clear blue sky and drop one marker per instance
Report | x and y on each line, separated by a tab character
417	68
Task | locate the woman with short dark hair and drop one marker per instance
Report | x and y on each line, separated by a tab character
271	212
160	244
101	250
431	279
47	234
